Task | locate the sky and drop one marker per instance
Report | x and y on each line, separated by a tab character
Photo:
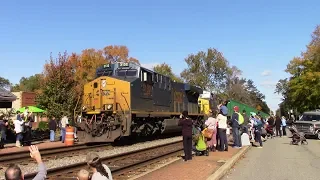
259	37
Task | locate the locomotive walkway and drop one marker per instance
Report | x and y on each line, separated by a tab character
279	160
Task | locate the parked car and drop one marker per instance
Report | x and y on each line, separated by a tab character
309	123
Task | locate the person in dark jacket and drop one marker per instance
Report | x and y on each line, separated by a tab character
27	136
278	126
3	131
52	128
235	128
186	124
258	124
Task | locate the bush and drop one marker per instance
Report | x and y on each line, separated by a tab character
43	126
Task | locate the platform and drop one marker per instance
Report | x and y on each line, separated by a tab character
199	168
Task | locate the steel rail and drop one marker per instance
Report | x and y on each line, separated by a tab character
24	156
120	163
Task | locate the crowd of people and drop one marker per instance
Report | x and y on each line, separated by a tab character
23	128
212	135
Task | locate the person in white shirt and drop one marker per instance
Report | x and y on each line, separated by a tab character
18	128
222	131
64	123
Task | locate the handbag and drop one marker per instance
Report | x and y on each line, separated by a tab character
207	133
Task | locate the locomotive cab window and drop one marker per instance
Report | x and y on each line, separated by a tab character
146	76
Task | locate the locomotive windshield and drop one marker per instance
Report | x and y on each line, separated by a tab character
126	72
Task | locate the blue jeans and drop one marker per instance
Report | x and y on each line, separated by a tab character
51	135
236	137
19	137
63	134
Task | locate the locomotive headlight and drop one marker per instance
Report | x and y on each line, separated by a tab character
109	107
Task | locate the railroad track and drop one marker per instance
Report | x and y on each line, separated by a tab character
121	165
23	158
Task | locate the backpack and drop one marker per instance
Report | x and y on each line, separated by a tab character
241	119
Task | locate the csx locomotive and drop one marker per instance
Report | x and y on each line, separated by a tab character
126	99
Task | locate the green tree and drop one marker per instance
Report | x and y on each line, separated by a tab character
58	95
208	70
166	70
29	84
302	91
4	83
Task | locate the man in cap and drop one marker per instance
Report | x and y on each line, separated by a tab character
235	127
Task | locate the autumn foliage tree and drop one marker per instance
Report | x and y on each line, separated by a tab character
58	96
85	64
301	90
166	70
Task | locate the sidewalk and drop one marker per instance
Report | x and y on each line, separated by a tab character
200	168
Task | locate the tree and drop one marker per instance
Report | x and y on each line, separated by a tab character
301	90
85	64
166	70
208	70
118	54
29	84
235	87
58	95
4	83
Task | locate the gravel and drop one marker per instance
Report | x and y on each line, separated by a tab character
30	168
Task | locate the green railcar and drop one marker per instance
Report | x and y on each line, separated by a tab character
242	107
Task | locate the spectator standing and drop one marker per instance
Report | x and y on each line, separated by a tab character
64	123
18	128
186	124
278	126
13	172
28	129
235	127
211	124
3	131
222	131
223	108
258	124
100	171
52	128
284	125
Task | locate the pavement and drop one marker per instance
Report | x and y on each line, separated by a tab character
279	160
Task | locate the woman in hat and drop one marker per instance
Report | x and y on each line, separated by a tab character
100	171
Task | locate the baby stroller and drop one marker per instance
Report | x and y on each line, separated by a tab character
270	132
201	146
199	142
297	137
